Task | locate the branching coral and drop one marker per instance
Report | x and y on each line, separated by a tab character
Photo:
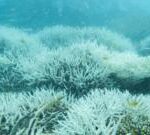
30	113
78	71
59	36
103	112
91	60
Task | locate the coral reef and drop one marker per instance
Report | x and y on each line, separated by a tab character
73	81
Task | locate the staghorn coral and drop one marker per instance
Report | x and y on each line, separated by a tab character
46	112
78	71
81	69
58	36
11	79
30	113
107	112
82	66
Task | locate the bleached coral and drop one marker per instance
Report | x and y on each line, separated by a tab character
21	54
104	112
24	113
78	71
84	62
65	36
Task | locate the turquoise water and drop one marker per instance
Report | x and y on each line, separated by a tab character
74	67
128	17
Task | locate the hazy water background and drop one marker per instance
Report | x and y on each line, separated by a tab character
74	80
130	17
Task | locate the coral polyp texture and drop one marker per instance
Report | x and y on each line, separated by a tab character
73	81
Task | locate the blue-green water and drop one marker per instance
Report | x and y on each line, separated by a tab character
74	67
128	17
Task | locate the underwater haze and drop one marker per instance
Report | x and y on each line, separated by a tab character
130	17
74	67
